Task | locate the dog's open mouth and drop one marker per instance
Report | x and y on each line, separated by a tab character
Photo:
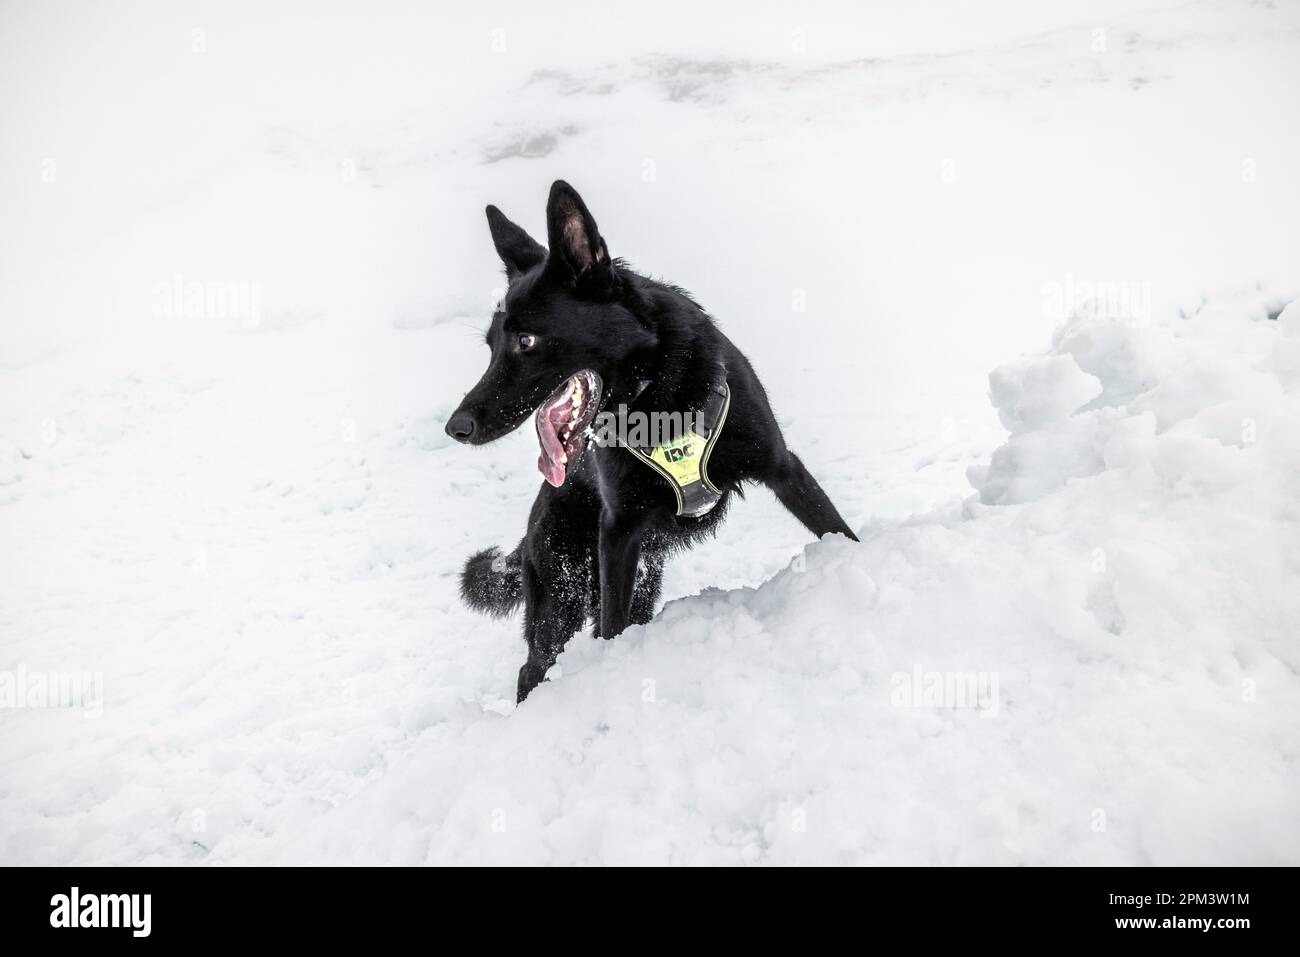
562	422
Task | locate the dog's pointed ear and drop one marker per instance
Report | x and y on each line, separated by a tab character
573	237
519	251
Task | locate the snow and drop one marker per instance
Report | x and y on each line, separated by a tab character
242	276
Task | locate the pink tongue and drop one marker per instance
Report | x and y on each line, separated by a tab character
548	463
552	469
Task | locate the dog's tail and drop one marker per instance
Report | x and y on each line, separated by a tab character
493	583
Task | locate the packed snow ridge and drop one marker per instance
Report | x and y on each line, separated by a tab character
1091	660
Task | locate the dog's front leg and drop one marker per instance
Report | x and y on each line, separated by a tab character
554	610
620	550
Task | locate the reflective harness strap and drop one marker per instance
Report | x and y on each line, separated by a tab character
684	462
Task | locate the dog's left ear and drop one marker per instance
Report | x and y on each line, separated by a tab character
518	251
575	242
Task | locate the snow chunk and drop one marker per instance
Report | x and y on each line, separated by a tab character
1037	392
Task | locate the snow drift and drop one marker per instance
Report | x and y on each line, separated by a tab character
1093	660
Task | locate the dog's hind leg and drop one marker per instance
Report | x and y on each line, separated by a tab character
799	492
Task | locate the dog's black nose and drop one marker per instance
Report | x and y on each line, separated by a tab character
460	426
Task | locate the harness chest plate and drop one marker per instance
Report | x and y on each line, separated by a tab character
683	462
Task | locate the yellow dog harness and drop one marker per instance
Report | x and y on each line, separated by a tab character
684	461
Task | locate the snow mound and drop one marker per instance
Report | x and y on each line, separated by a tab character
1093	660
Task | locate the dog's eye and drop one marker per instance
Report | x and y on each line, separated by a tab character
526	342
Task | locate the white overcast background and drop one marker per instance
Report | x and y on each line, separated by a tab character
1015	275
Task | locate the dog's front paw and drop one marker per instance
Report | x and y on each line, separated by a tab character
530	676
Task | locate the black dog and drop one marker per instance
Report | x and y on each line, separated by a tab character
578	333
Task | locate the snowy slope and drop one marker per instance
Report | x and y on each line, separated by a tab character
250	522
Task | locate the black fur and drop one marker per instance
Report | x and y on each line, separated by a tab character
595	547
491	583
